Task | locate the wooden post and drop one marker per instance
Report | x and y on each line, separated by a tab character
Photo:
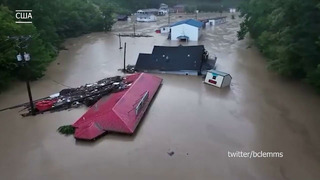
124	57
134	29
120	47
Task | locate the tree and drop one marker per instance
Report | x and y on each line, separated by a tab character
287	32
53	21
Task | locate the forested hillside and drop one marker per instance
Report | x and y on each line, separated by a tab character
53	21
288	33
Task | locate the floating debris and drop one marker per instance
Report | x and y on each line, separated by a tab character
130	69
171	153
87	94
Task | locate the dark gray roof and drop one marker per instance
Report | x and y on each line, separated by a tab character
171	58
216	18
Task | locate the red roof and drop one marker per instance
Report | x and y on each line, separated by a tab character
122	111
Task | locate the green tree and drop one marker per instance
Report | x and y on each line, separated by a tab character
287	32
53	21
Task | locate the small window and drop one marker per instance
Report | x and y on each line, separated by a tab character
164	29
214	77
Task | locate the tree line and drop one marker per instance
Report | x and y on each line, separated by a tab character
288	33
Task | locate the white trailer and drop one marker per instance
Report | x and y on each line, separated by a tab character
218	78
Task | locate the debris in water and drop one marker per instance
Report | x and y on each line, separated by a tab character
87	94
171	153
135	35
130	69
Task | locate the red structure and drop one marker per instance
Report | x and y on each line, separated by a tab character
122	111
45	104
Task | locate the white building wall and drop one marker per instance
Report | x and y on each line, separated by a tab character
211	22
165	29
218	79
199	32
226	81
185	30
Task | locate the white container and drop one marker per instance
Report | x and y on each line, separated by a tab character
218	78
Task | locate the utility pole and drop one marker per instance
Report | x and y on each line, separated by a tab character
134	28
120	47
104	23
124	57
24	58
168	17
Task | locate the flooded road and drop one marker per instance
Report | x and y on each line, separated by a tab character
199	123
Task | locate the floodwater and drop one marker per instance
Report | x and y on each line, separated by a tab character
199	123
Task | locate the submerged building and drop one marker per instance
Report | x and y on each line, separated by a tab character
186	60
189	30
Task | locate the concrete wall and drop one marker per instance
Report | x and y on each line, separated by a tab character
185	30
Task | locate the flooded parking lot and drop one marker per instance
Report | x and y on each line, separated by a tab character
199	123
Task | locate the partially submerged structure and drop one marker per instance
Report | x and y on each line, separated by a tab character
122	111
186	60
218	78
146	18
179	8
122	17
189	30
164	29
148	11
217	20
232	10
164	7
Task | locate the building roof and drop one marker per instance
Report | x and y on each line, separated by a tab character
171	58
216	18
183	37
148	10
218	72
190	22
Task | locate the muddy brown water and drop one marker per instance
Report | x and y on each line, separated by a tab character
199	123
